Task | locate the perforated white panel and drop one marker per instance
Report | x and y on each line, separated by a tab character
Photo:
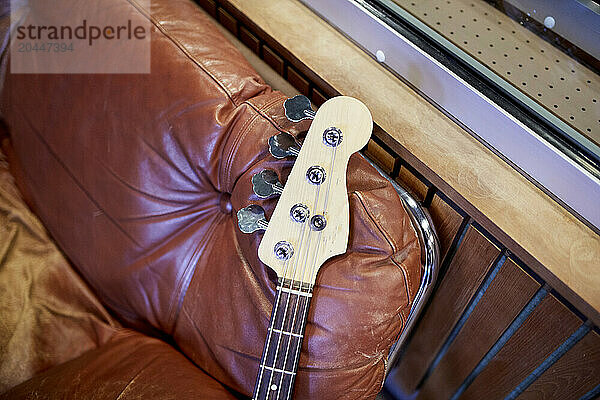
544	73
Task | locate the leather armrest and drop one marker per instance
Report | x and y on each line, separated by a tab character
129	366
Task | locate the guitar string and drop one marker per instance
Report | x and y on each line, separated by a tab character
304	270
303	266
287	305
272	326
304	315
300	246
261	368
289	296
305	305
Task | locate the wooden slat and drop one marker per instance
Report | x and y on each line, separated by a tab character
298	81
465	273
273	60
573	375
509	292
227	21
548	326
250	40
381	157
411	182
209	6
318	98
446	221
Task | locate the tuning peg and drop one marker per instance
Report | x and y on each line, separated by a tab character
298	108
252	219
283	145
266	184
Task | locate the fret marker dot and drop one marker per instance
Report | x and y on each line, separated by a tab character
273	387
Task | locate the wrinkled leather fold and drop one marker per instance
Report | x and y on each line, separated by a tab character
129	366
48	315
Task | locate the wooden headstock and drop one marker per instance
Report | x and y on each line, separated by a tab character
311	221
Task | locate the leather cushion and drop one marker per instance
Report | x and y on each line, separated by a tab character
48	315
128	367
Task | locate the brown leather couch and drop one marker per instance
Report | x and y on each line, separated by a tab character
137	179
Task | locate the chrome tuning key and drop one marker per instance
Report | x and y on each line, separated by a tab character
266	184
252	219
298	108
283	145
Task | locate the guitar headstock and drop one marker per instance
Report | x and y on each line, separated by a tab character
310	223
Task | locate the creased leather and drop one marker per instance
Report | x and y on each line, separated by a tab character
48	315
130	366
139	177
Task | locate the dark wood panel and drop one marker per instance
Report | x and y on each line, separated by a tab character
298	81
273	60
446	221
249	40
227	21
465	273
573	375
317	97
509	292
412	183
548	326
381	157
209	6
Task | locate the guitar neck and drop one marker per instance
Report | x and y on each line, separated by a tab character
309	225
279	363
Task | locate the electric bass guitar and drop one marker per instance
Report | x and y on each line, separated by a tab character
310	224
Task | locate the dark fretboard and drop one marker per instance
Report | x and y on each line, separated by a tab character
279	363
